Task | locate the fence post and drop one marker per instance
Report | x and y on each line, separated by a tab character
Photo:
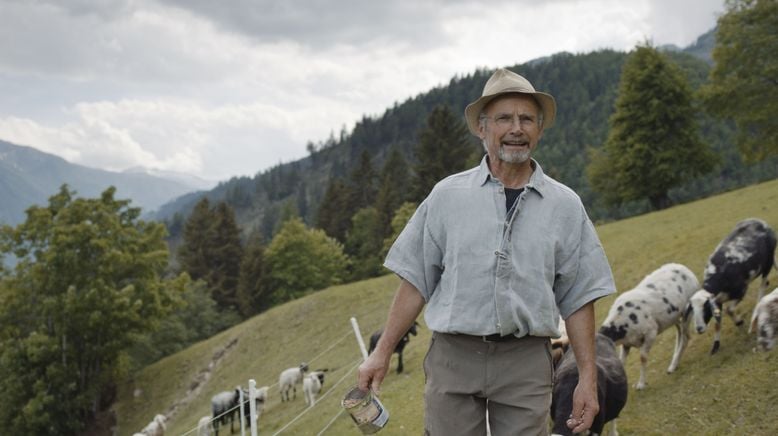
359	337
253	421
242	418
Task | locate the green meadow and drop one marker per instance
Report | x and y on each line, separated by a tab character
732	392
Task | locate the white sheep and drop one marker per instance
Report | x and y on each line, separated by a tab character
766	320
655	304
262	395
312	386
156	427
289	379
204	426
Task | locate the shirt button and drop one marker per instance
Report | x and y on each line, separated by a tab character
498	326
502	191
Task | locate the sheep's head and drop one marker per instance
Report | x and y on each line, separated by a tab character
703	308
303	367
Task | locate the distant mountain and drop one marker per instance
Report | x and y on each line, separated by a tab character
186	179
29	177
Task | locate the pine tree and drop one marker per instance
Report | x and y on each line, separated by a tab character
225	253
193	251
744	79
653	144
443	149
362	184
393	191
333	214
251	296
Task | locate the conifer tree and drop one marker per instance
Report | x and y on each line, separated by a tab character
333	214
251	297
393	190
225	254
443	149
193	251
362	184
653	144
744	79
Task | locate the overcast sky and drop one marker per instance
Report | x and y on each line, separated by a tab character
228	88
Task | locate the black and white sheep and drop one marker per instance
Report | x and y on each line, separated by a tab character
611	388
400	345
655	304
766	321
224	407
312	386
289	379
745	254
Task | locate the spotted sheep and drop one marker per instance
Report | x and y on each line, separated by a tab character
766	321
655	304
745	254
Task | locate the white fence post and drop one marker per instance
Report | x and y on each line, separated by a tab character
242	418
253	421
359	337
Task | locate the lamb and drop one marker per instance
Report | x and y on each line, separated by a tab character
262	395
400	345
204	426
289	379
656	303
312	386
766	320
746	253
155	428
611	388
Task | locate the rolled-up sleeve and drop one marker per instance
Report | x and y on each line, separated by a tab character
415	255
583	274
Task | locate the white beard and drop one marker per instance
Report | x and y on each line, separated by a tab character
519	156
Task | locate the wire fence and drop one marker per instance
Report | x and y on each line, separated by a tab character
332	389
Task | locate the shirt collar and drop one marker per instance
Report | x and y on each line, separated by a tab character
537	180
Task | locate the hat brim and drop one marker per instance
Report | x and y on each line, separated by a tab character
474	109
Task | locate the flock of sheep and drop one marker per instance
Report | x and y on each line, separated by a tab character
225	406
672	296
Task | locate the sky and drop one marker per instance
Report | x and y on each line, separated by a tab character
218	89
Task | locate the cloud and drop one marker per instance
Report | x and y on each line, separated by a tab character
219	90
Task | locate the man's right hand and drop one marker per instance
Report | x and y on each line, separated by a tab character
372	371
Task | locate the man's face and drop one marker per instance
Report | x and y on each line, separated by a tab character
511	131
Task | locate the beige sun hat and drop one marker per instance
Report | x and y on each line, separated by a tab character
505	82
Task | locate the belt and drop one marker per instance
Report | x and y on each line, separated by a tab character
498	338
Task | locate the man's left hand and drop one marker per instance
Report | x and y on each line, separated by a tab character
585	407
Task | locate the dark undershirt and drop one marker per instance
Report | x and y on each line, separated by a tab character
510	198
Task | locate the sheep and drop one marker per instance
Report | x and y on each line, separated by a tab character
261	399
766	320
611	388
746	253
289	379
312	386
155	428
559	345
400	345
224	406
656	303
204	426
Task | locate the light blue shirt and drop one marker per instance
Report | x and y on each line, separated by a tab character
481	273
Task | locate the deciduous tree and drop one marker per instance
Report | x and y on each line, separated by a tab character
744	80
86	283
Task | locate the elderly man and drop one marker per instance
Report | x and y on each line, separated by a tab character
497	254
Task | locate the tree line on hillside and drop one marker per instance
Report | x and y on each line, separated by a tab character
94	292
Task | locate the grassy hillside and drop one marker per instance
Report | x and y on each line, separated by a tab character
732	392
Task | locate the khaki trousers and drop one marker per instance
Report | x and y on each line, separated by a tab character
466	376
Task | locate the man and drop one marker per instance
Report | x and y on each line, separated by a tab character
497	254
